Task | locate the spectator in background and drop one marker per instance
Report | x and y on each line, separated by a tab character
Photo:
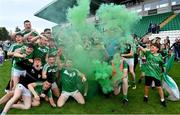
17	29
164	52
153	28
157	28
158	41
150	28
6	45
168	41
176	48
1	43
1	56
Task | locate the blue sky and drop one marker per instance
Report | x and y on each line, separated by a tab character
14	12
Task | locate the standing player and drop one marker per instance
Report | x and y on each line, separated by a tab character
129	58
120	76
16	47
23	53
153	72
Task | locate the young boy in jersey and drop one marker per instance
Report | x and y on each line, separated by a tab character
38	90
120	76
49	73
69	84
153	72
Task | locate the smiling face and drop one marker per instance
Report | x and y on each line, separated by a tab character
48	33
154	49
51	60
19	38
43	40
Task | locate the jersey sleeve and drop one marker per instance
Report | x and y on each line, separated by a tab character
23	64
11	49
49	94
45	68
38	83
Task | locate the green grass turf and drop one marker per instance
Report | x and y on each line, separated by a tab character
100	104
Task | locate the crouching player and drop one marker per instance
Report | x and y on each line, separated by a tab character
120	76
153	71
69	84
41	90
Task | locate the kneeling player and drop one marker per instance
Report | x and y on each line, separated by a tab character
69	84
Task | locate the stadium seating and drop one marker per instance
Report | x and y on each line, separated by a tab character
142	26
174	24
173	34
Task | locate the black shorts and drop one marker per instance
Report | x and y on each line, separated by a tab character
149	79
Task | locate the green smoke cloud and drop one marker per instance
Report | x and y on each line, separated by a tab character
84	42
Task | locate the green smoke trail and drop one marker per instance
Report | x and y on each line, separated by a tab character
103	75
85	42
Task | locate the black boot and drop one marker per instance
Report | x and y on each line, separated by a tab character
145	99
163	103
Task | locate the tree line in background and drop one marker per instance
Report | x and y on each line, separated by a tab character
4	34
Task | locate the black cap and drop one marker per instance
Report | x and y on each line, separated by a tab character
20	34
